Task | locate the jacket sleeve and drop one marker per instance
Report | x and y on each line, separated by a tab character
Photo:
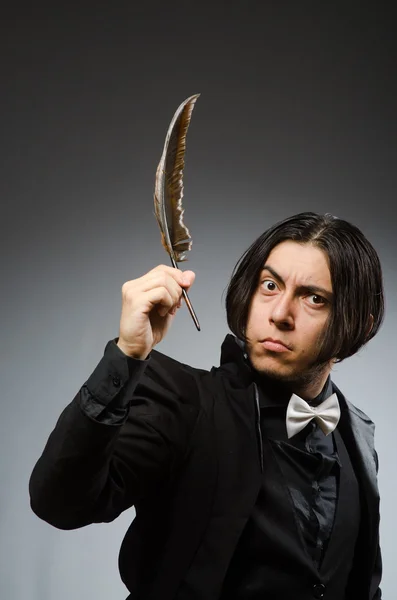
375	591
106	395
92	468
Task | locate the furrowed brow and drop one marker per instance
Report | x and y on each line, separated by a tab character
307	289
273	272
316	290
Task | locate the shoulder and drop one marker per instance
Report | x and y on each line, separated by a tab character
161	366
352	408
360	414
359	423
167	376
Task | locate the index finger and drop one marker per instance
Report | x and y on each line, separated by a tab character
183	278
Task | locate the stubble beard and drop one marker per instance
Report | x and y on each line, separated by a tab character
310	377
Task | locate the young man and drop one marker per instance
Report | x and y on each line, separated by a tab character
257	479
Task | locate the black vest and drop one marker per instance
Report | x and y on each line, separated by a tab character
271	561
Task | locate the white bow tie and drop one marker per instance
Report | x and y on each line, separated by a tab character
300	413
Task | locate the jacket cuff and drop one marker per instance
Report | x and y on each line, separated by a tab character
116	376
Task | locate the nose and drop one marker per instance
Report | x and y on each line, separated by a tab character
282	313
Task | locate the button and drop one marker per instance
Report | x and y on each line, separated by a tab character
318	590
116	381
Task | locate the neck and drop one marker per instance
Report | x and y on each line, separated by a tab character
308	385
311	388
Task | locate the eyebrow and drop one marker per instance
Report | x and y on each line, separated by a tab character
311	289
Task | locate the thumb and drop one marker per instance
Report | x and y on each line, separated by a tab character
188	278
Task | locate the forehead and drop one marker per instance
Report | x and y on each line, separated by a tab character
305	263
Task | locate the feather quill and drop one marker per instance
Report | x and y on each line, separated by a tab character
168	192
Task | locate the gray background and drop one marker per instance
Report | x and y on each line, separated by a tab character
297	112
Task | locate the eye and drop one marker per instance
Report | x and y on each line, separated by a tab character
316	300
269	285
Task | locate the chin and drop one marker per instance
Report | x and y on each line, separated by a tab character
298	375
275	371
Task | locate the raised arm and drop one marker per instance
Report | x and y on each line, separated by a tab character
125	431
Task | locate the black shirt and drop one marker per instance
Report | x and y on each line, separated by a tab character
309	463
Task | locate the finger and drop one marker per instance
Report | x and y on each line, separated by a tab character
154	280
183	278
159	277
188	279
161	299
175	273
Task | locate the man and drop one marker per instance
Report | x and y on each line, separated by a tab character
256	479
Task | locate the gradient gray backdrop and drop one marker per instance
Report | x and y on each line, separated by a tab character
297	112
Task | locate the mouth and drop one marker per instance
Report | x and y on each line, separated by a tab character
275	345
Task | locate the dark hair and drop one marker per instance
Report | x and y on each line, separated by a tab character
356	277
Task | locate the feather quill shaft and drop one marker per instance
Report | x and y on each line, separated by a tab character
168	193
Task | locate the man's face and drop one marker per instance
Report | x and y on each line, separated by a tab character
289	310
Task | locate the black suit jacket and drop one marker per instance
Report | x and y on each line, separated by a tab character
357	431
188	457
